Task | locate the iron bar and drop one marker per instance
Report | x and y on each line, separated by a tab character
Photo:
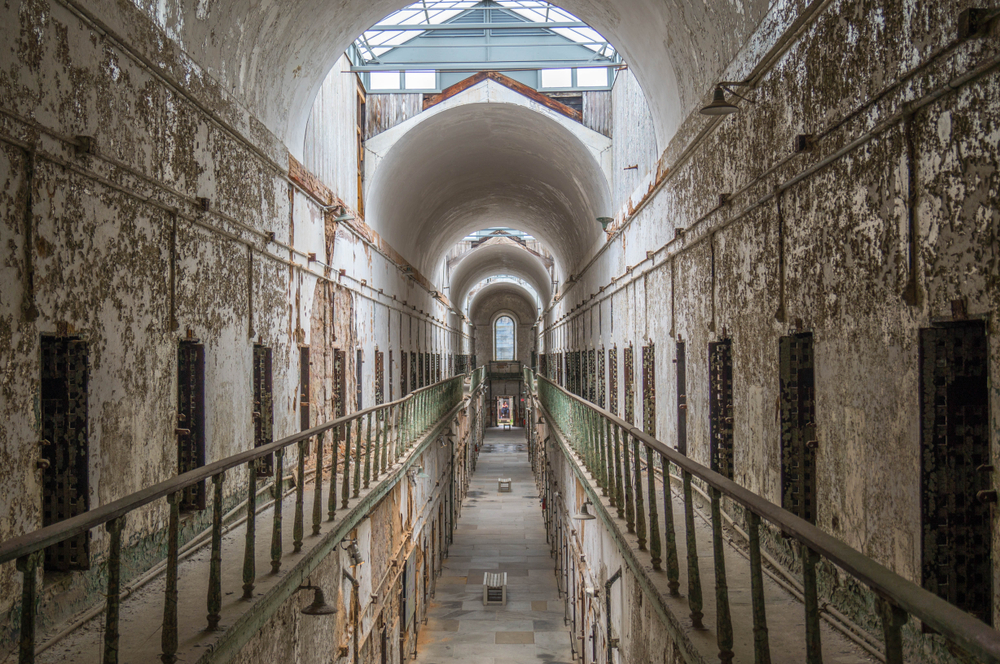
111	627
28	567
640	508
298	527
368	452
814	651
215	562
654	519
279	493
168	637
761	647
723	620
673	564
694	573
249	553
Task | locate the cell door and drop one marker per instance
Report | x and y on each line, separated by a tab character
191	419
720	407
613	380
628	378
649	389
956	480
403	373
379	378
304	413
798	426
414	364
65	446
263	407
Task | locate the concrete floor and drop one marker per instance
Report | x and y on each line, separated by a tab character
498	532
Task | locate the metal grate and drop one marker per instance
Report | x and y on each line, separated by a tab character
263	407
304	407
798	426
681	361
649	389
600	378
379	378
65	482
191	419
956	487
585	375
591	376
720	407
359	379
613	380
628	377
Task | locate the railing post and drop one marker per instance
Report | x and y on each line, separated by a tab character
28	567
814	652
893	619
300	494
694	573
215	562
318	486
357	458
640	508
723	620
602	461
331	508
279	493
386	421
673	564
368	452
111	628
345	493
627	476
168	637
654	519
761	647
619	498
249	552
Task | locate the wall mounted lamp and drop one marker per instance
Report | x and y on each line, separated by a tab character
585	514
319	607
605	222
719	105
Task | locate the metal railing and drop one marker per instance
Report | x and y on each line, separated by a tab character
395	426
478	376
622	460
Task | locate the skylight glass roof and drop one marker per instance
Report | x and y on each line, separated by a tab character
381	38
488	232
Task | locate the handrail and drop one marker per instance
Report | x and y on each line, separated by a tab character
963	629
38	540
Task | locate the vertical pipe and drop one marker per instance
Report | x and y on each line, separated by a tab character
654	519
168	637
814	653
111	631
215	562
694	573
279	492
761	647
298	527
249	558
723	620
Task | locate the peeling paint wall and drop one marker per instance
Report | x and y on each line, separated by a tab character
830	254
634	139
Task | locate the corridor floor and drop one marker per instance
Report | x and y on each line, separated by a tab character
498	532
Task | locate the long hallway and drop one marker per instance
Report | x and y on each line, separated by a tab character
498	532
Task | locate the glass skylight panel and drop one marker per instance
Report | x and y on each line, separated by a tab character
596	77
557	78
420	80
384	80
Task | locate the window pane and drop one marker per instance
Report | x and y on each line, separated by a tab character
596	77
557	78
420	80
385	80
503	340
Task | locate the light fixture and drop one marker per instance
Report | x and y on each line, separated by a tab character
319	607
719	105
353	553
605	222
585	514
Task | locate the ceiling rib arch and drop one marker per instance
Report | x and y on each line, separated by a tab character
485	165
502	297
498	259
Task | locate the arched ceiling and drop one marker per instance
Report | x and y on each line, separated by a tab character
499	258
486	165
274	56
502	296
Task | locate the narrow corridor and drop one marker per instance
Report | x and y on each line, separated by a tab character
498	532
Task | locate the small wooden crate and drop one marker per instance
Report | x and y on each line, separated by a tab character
503	485
495	588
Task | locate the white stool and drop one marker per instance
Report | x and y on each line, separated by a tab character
503	485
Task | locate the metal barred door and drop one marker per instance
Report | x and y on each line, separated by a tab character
798	426
649	389
600	378
263	407
379	378
613	380
681	367
65	482
720	407
404	372
415	361
957	485
190	428
628	377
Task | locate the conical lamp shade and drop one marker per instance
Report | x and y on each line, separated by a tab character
585	514
319	607
719	105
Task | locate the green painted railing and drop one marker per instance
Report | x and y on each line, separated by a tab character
478	376
622	460
373	440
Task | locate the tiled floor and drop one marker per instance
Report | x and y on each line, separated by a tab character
498	532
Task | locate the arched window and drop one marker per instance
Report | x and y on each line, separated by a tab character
503	338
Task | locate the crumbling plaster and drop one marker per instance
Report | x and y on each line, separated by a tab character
844	244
